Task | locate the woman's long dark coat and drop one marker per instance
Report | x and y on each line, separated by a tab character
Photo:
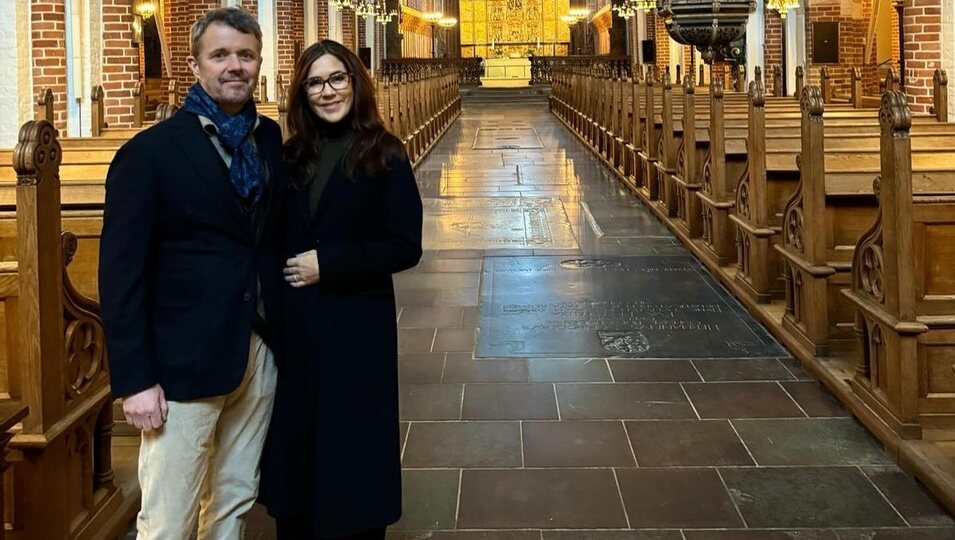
333	450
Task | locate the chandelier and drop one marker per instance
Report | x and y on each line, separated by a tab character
626	9
368	9
146	9
569	20
579	13
782	6
447	22
432	17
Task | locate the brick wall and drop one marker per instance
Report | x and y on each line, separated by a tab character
349	30
322	19
48	26
178	17
290	29
853	24
120	62
662	42
773	51
922	26
362	34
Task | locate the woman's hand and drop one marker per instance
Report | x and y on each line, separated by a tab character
302	270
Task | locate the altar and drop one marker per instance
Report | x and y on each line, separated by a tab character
506	72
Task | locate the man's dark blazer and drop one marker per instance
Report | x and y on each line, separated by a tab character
180	257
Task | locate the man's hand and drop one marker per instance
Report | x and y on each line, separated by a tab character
302	270
146	410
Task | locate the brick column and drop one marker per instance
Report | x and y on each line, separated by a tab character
48	28
120	62
774	49
349	30
290	29
322	19
922	26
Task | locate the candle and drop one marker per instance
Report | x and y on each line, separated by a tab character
538	43
492	43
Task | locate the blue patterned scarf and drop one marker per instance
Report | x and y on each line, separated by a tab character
246	169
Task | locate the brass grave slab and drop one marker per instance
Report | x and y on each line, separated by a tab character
497	223
507	138
630	307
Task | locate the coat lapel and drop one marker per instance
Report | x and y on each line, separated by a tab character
205	159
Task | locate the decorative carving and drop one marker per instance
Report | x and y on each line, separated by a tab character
689	85
83	334
940	77
793	227
868	260
811	101
894	114
717	86
757	94
37	154
707	173
742	197
708	26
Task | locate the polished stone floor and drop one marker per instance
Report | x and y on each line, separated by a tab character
568	372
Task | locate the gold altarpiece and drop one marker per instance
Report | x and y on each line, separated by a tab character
514	27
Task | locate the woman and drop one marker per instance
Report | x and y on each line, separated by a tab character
331	467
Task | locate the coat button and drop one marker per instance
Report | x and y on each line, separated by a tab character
247	297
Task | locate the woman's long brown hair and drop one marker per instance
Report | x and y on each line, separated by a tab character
372	151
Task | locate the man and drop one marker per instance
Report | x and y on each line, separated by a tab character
188	277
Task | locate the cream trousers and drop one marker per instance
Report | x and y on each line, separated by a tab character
203	464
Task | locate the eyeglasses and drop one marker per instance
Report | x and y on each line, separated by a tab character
338	81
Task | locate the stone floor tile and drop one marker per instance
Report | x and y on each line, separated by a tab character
428	499
461	367
454	340
656	534
463	445
465	535
917	506
571	443
472	316
430	317
448	280
622	401
815	399
415	340
796	368
509	401
742	400
449	265
897	534
568	370
420	367
749	534
686	443
540	498
811	441
741	369
675	497
416	297
640	370
810	497
430	401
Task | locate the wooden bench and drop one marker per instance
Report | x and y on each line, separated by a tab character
903	293
54	362
831	207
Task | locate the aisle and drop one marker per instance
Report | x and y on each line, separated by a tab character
568	371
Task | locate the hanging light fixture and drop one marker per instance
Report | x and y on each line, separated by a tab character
447	22
782	6
146	9
626	9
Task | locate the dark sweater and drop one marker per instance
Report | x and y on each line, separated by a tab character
333	150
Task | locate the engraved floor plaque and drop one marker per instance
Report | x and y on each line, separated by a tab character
507	138
639	307
497	223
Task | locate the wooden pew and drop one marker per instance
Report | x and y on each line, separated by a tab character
902	291
822	220
55	363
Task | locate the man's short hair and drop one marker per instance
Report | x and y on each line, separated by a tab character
234	17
